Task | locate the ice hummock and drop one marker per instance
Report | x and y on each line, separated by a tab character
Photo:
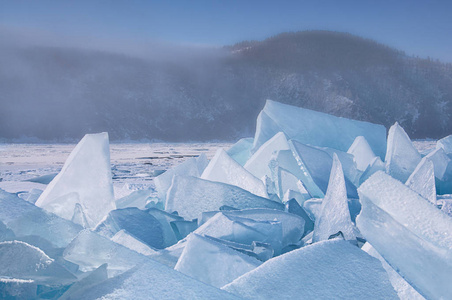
316	128
222	168
213	263
326	270
401	156
190	196
85	179
334	215
411	234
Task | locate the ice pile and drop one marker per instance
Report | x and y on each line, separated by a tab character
311	207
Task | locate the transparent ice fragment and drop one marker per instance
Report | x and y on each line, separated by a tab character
290	194
213	263
410	233
86	173
191	167
24	219
422	180
23	261
97	276
222	168
5	233
316	128
190	196
316	164
258	164
293	207
446	144
401	156
362	153
375	165
135	199
440	162
90	250
334	215
332	269
124	238
165	219
241	151
183	228
137	222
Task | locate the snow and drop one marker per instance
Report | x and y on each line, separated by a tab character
410	233
325	270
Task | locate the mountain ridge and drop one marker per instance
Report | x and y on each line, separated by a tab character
56	93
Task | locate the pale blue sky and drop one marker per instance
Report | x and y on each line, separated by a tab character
417	27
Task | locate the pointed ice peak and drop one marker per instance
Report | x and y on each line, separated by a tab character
334	214
362	153
222	168
401	156
422	180
86	172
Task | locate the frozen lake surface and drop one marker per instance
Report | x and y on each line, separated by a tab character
134	164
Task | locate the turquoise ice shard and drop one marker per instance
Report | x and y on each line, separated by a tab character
137	222
222	168
422	180
401	156
334	214
241	151
90	250
124	238
316	128
23	218
404	290
375	165
440	163
23	261
258	164
190	196
243	230
332	269
362	153
315	164
411	234
135	199
212	262
191	167
95	277
445	143
85	179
